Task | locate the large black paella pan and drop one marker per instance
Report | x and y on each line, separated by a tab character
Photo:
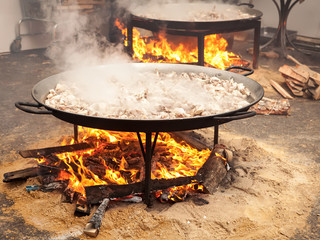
42	88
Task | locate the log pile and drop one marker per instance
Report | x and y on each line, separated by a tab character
301	80
48	171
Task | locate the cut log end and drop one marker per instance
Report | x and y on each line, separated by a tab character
212	173
90	230
93	226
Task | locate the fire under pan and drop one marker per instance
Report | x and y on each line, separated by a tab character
149	127
199	29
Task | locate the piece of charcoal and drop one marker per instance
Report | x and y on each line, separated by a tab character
199	201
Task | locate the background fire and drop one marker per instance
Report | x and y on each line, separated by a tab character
160	48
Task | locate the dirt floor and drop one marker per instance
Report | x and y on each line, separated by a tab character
271	192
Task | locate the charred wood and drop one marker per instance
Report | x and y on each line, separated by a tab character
96	193
212	172
199	201
21	174
53	186
223	151
82	210
70	196
36	153
28	172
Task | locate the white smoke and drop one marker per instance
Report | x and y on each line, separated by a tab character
82	38
81	45
81	41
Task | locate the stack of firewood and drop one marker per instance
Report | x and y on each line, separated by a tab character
301	80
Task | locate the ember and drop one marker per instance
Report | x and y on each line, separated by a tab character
116	159
161	49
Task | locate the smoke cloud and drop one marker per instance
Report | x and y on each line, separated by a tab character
82	40
83	43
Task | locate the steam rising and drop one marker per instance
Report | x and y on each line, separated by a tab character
84	39
83	43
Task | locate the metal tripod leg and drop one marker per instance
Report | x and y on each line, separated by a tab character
147	152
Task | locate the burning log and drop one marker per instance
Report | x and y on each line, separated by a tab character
224	152
209	175
93	226
36	153
192	141
132	199
96	193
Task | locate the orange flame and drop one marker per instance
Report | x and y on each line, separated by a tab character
161	50
107	163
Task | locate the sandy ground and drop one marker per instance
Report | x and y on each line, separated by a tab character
268	194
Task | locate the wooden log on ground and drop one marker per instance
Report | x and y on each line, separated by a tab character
93	226
42	152
212	172
315	93
28	173
20	174
302	72
280	89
